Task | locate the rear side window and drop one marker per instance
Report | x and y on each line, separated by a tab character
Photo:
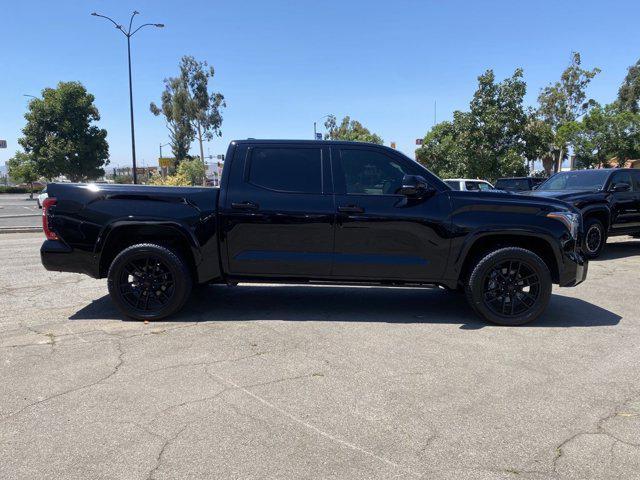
471	186
294	170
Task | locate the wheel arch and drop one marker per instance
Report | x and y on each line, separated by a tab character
120	235
483	244
599	212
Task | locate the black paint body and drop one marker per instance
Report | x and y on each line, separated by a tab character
619	211
242	231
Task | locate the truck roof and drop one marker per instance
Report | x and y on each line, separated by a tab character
311	142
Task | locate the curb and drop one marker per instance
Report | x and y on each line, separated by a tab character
20	230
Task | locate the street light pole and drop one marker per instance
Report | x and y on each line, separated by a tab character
133	132
128	33
315	133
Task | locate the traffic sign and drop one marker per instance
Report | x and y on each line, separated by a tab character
3	144
419	141
318	136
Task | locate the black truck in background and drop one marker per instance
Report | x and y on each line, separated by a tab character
609	200
315	211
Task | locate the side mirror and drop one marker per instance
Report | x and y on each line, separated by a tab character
620	187
415	186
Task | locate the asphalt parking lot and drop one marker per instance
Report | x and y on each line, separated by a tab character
294	382
18	210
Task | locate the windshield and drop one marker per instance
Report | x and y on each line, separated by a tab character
518	184
578	180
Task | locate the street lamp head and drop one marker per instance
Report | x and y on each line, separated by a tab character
159	25
135	12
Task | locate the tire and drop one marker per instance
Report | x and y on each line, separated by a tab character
595	238
149	282
509	286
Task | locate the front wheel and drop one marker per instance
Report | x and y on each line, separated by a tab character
594	238
149	282
510	286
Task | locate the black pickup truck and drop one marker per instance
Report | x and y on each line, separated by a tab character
315	211
609	200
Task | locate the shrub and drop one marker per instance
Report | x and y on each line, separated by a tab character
10	189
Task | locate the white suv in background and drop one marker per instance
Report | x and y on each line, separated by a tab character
469	184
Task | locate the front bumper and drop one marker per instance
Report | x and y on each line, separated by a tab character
574	269
57	256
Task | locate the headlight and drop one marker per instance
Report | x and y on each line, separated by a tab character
571	221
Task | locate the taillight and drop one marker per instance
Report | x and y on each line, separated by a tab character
48	202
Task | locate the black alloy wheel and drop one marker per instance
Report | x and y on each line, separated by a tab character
149	282
509	286
146	284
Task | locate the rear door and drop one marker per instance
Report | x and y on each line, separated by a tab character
278	214
380	234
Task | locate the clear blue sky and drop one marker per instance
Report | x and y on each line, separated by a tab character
283	64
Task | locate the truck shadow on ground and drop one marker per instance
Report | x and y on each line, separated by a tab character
219	303
616	250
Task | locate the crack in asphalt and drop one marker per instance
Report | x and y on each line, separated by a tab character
314	428
119	363
165	445
599	430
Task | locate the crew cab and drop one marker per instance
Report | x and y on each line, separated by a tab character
609	200
315	212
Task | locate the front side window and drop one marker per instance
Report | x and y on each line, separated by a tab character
621	177
294	170
372	173
636	180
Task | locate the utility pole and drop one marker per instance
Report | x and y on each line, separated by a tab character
435	110
128	33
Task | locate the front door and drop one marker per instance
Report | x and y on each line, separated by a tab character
278	215
380	234
625	208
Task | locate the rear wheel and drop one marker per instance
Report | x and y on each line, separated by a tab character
594	238
510	286
149	282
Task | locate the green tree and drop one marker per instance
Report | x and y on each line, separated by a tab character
566	101
61	137
486	142
190	110
22	168
603	134
350	130
193	170
538	142
175	100
629	92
